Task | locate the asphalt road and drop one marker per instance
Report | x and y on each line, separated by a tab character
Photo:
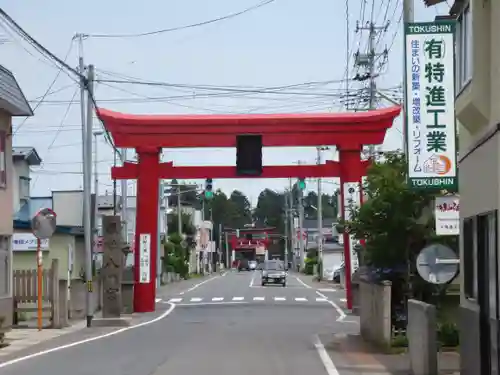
225	325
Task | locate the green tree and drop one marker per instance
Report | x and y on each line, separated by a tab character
270	210
395	222
176	256
242	208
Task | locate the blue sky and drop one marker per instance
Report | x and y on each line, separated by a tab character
283	43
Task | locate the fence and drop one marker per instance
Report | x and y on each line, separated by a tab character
26	293
375	312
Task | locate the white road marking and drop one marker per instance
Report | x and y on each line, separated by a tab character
327	290
341	312
199	284
238	298
303	283
217	299
251	281
342	299
175	300
67	346
196	299
321	300
325	358
212	303
258	298
301	299
279	298
157	300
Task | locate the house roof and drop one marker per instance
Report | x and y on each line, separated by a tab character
12	98
22	218
26	153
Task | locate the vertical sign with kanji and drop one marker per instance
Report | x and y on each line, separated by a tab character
430	100
145	258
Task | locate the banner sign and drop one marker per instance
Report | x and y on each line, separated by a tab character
145	258
28	242
352	199
430	99
447	213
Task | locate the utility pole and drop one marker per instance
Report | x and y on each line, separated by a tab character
228	260
285	258
366	61
161	196
86	113
301	228
320	219
179	213
96	192
290	217
124	207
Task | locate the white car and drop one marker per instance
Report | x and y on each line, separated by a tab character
252	265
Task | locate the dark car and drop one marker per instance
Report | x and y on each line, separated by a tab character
243	265
273	271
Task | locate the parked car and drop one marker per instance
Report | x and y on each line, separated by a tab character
273	271
252	264
243	265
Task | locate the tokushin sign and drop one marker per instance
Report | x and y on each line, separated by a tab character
430	112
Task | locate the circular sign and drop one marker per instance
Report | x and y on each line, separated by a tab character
351	190
437	264
43	223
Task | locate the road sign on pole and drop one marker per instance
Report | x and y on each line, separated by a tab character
43	226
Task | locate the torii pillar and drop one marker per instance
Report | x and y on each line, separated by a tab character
352	170
146	229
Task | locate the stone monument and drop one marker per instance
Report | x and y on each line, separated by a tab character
112	272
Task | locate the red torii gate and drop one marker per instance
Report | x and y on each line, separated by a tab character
148	134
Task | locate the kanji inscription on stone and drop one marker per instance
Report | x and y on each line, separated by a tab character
112	269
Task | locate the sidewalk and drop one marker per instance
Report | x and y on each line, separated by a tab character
353	356
314	283
21	338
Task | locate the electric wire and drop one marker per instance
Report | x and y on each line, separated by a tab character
47	91
184	27
61	124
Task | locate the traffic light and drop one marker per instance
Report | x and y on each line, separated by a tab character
208	188
301	184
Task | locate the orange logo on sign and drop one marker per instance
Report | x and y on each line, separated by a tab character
439	164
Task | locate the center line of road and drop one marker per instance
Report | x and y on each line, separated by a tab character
258	298
301	299
215	299
279	298
195	299
238	298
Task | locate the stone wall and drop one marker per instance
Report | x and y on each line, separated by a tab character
422	338
375	312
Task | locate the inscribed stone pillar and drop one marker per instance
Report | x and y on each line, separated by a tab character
112	269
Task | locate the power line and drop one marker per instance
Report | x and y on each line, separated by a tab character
44	51
214	88
61	124
184	27
46	93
